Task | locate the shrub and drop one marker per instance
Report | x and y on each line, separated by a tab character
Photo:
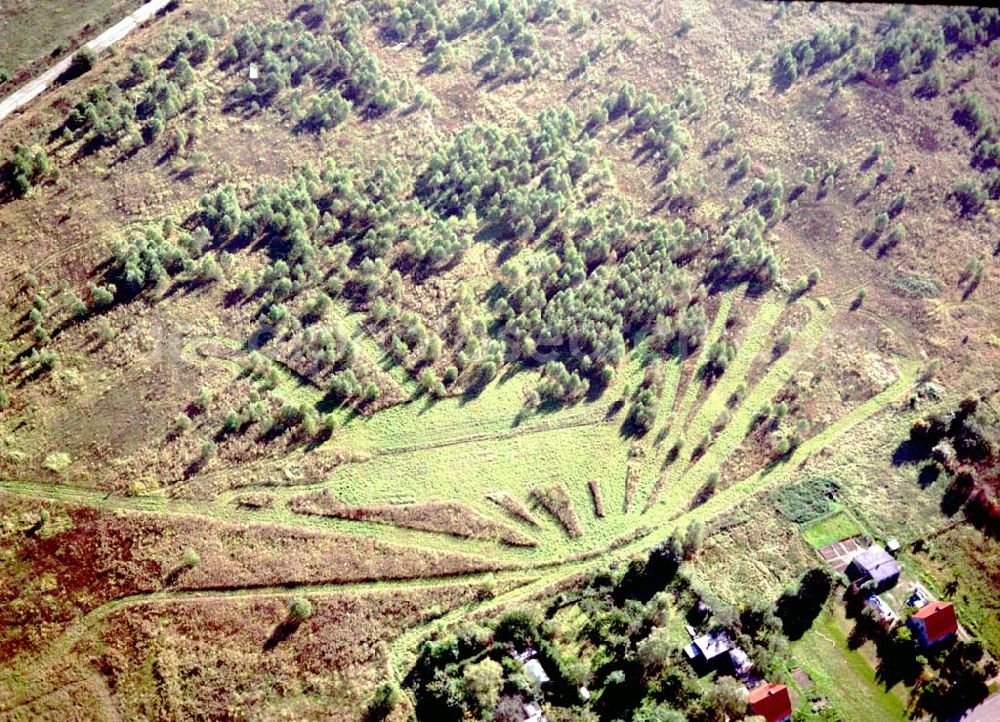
971	197
386	698
140	69
970	113
897	205
300	609
931	84
896	236
783	343
28	167
83	62
786	69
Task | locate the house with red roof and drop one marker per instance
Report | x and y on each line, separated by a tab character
771	701
934	622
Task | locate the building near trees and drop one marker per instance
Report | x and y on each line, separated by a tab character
934	623
875	565
771	701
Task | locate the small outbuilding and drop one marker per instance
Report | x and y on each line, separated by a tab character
536	671
533	712
772	702
883	610
918	599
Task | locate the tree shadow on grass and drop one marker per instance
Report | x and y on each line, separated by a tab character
909	452
954	498
174	574
283	631
929	473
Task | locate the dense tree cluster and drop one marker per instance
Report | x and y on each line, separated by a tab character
965	430
195	46
513	49
289	55
900	48
632	665
904	49
965	445
665	138
515	178
809	55
969	28
153	258
744	254
139	106
29	166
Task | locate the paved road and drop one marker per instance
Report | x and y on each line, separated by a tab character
33	88
988	711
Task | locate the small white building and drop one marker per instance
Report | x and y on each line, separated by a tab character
533	712
535	670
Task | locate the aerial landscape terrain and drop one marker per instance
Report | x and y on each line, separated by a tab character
515	360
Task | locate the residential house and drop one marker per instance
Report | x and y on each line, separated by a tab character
934	622
876	565
771	701
717	651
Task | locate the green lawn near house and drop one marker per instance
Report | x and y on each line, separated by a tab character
845	677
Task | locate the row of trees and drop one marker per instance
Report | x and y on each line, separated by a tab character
809	55
972	193
900	48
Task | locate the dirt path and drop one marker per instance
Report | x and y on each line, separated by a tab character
33	88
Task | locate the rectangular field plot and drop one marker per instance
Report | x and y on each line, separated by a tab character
830	529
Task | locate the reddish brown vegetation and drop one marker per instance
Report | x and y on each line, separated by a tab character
598	497
556	501
513	507
214	658
446	517
91	557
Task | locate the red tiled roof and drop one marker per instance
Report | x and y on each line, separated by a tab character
771	701
938	619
